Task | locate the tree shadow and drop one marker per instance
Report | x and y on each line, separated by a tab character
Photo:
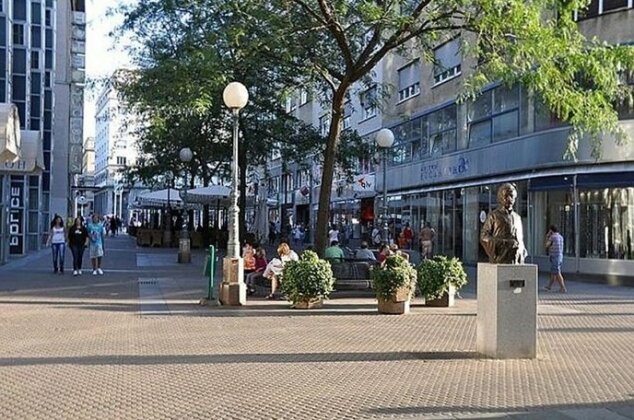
196	359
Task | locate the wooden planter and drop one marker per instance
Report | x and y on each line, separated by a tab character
398	304
309	304
445	301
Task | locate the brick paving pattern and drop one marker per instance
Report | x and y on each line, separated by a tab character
82	347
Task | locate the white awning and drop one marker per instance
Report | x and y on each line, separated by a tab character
31	160
167	197
9	132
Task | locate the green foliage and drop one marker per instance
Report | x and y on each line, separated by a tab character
395	274
436	274
308	279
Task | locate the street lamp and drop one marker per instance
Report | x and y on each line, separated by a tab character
385	140
233	291
184	253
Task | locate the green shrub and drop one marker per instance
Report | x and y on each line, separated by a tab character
395	274
308	279
436	274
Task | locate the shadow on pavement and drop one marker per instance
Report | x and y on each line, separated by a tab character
274	358
625	408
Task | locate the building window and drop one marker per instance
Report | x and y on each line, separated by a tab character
494	116
19	9
442	130
121	160
291	103
35	59
48	18
18	34
447	61
347	115
368	102
431	134
409	81
599	7
36	13
19	61
324	125
303	97
36	36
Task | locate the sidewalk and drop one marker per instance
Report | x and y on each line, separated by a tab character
135	344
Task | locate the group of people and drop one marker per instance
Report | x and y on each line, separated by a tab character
405	238
256	266
78	236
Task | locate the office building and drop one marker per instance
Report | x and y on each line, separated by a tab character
449	158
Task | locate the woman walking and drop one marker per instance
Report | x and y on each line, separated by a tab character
96	234
57	241
78	241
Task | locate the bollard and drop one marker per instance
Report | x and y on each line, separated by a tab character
212	271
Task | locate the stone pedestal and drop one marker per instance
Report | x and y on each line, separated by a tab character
233	291
184	251
507	311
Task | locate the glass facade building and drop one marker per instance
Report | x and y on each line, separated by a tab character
35	43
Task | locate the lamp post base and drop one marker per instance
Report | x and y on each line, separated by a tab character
184	251
233	291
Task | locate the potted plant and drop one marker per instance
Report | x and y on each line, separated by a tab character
439	279
307	282
393	283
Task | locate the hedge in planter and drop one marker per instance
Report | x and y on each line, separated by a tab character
395	275
435	275
308	280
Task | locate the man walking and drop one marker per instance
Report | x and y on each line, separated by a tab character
555	247
427	235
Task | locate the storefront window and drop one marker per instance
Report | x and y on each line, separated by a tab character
552	204
606	223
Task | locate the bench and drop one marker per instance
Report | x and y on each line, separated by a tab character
352	274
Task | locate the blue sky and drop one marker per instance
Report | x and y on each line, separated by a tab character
103	57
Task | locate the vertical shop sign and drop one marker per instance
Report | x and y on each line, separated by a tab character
16	218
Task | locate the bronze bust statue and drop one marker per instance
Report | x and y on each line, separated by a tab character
502	236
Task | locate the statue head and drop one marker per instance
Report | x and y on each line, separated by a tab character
507	195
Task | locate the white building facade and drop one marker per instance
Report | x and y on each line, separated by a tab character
115	150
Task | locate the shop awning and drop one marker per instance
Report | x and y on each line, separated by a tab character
31	160
9	132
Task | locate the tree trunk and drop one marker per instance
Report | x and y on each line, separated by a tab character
242	198
325	190
206	217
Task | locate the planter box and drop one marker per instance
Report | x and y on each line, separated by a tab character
445	301
393	308
312	304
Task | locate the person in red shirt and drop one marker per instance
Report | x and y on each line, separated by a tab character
409	234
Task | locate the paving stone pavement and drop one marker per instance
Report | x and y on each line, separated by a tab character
84	348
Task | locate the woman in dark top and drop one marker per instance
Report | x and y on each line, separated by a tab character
78	240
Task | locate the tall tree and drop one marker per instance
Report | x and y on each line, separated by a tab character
187	52
537	43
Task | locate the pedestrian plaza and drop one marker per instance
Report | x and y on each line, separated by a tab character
136	344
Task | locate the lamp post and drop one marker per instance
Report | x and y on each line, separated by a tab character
384	140
184	252
233	291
